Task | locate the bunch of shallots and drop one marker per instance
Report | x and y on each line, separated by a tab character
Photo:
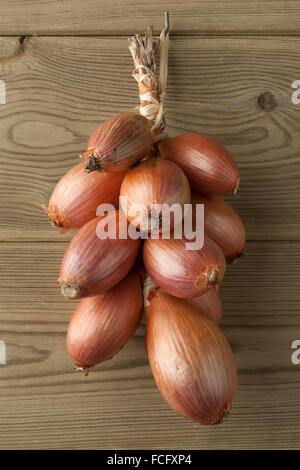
117	249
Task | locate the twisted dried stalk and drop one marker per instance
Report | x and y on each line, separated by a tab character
151	86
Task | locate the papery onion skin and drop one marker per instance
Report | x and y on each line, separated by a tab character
191	360
91	265
209	166
77	195
180	272
223	224
209	304
101	325
155	181
119	143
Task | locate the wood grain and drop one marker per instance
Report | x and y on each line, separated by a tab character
60	88
74	71
9	46
100	17
44	404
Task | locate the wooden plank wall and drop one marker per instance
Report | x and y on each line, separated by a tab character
119	17
70	72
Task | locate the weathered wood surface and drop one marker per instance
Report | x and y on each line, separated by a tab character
60	88
100	17
10	46
44	404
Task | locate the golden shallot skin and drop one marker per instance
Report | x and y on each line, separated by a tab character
101	325
223	224
119	143
180	272
209	304
209	166
92	265
155	181
191	360
77	195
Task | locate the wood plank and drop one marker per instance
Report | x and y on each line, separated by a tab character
60	89
265	282
94	17
9	46
44	404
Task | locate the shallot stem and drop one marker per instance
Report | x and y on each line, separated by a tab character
151	86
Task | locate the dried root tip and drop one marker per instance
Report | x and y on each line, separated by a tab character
81	368
54	223
93	164
92	159
70	291
213	276
54	220
233	259
223	416
235	191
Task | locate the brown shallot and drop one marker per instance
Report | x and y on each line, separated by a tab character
223	224
101	325
180	272
209	304
191	360
118	143
209	166
92	265
151	187
77	195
